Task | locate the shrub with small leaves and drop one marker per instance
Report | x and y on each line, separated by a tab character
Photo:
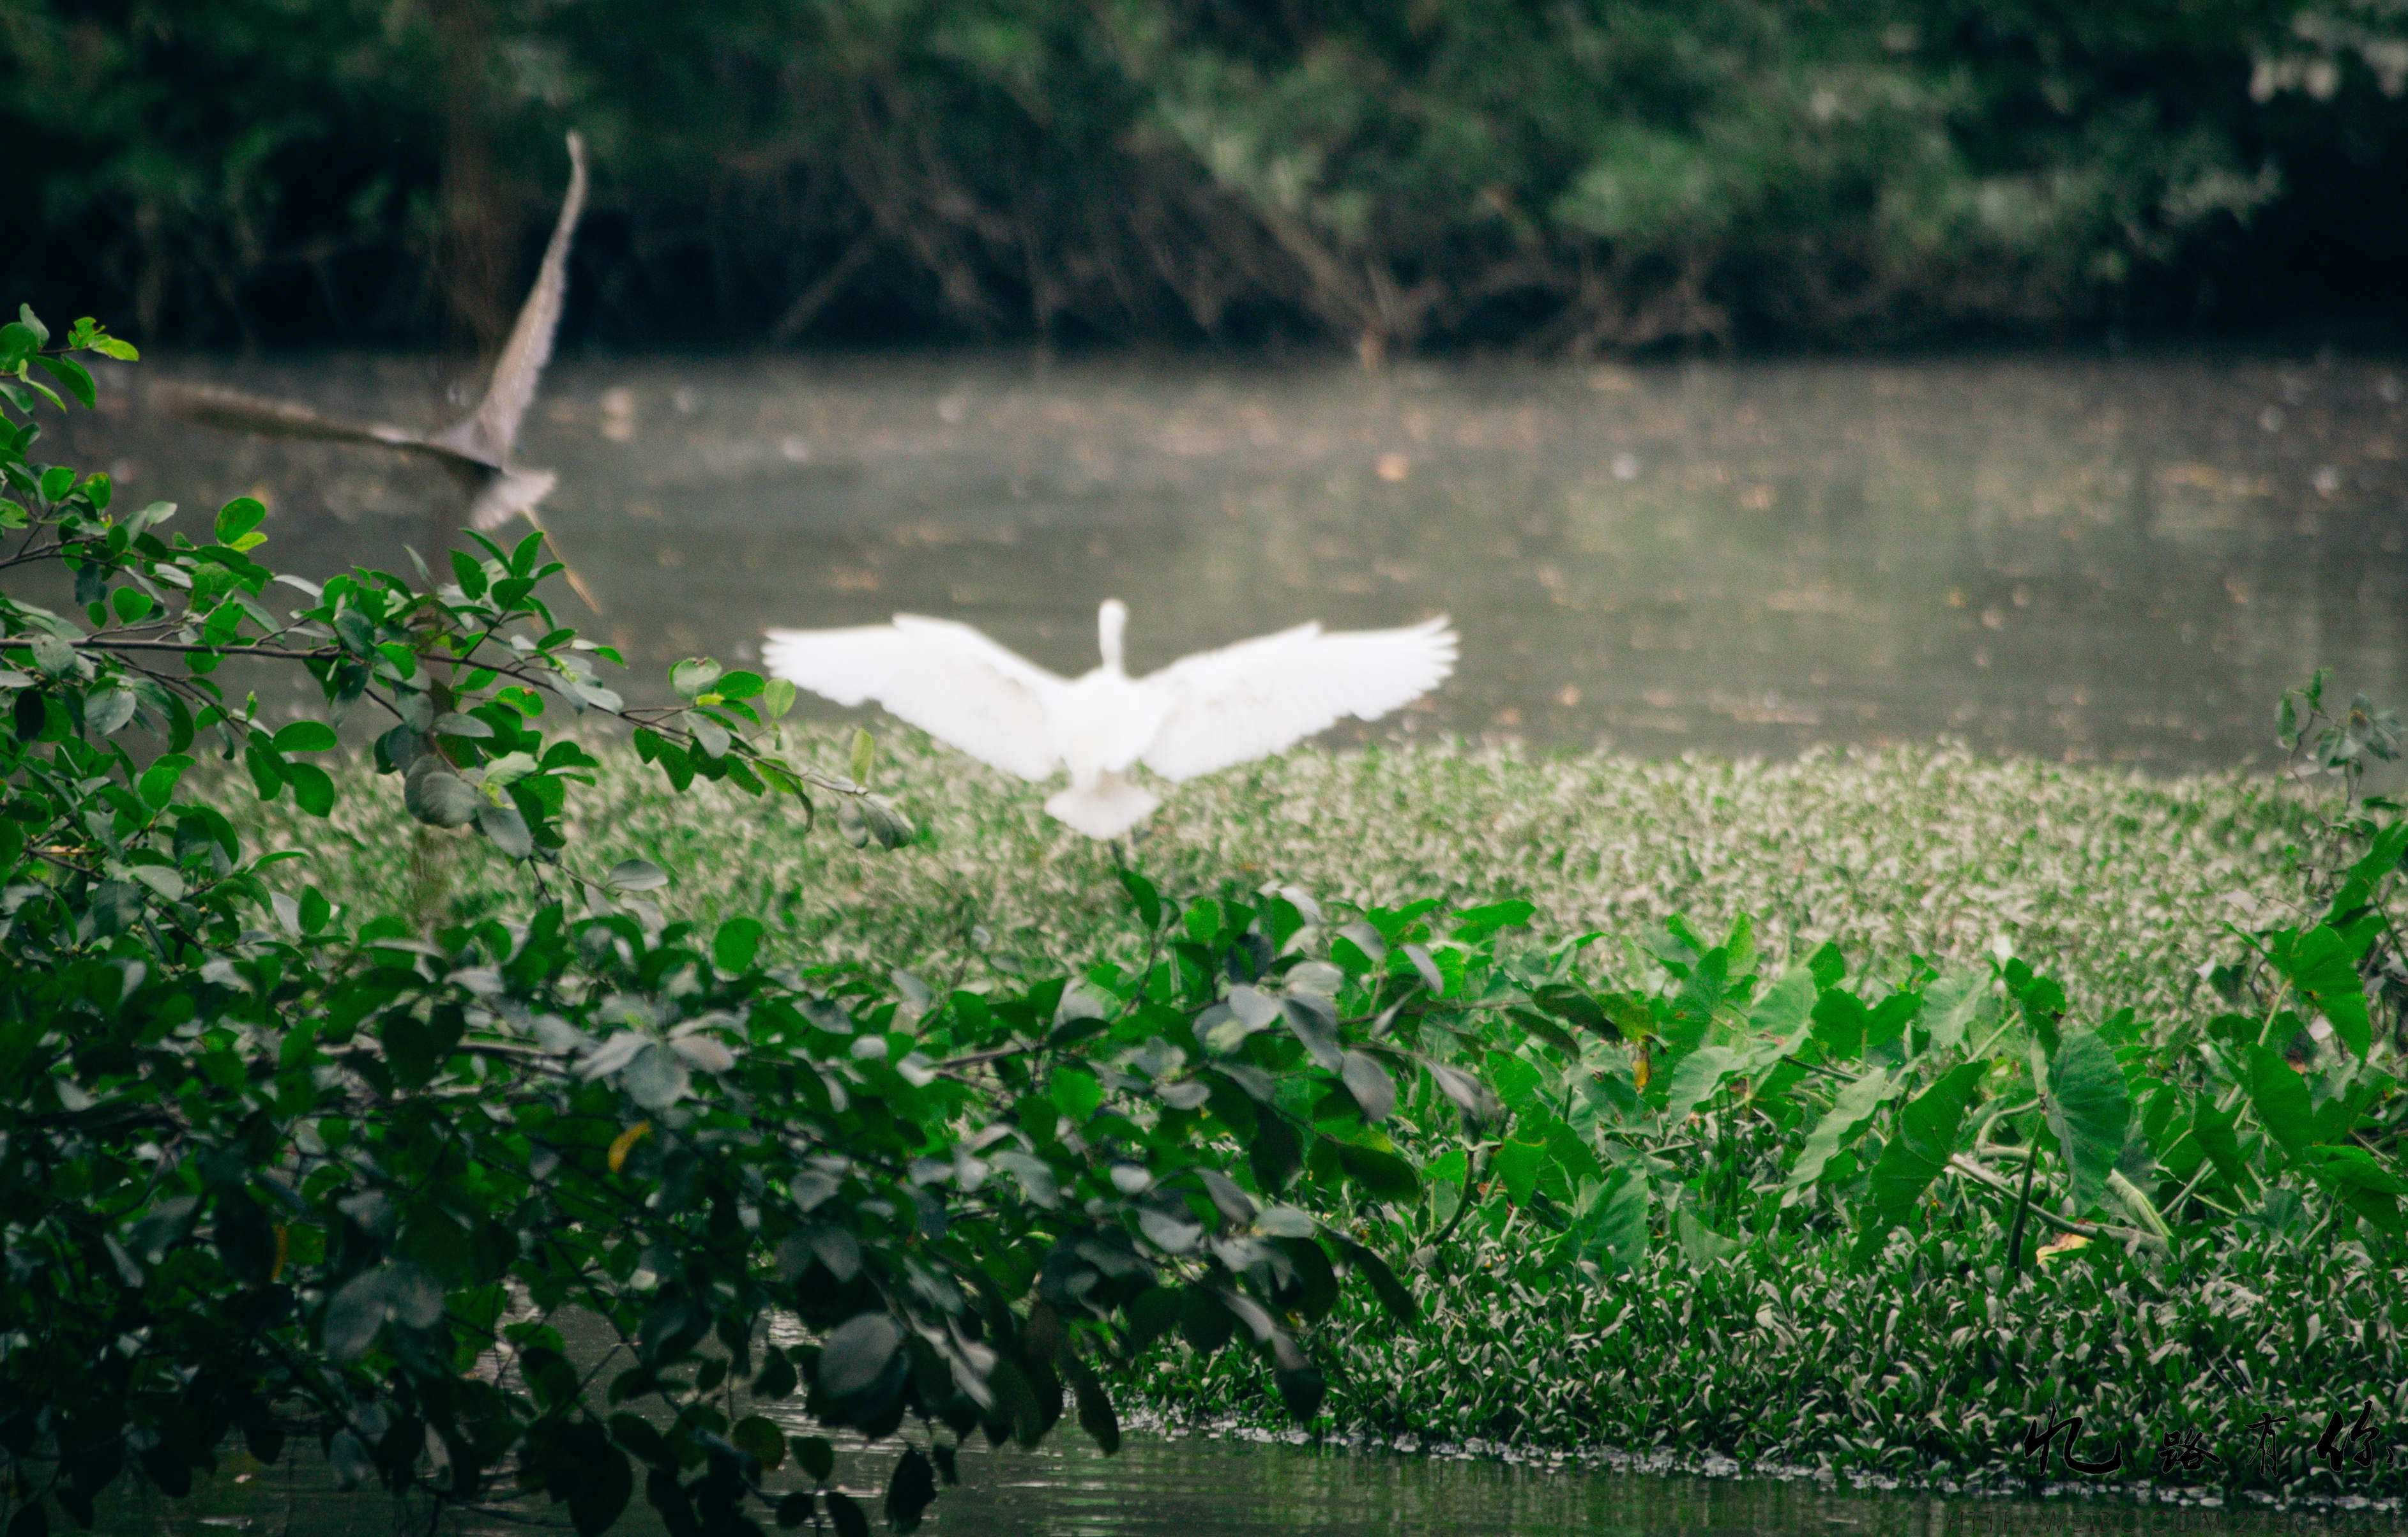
270	1164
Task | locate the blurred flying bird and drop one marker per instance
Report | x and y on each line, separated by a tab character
481	449
1200	713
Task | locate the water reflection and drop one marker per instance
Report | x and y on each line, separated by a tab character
2087	559
1193	1487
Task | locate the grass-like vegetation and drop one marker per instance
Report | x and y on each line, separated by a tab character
1924	1369
1922	1366
2120	884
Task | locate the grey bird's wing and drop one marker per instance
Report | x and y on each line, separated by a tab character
490	434
236	411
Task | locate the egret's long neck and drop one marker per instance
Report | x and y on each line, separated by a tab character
1110	624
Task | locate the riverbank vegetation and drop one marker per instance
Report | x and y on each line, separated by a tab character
1852	1112
1678	1240
1567	177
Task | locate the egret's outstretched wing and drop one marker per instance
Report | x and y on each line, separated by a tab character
493	431
1260	695
238	413
943	677
507	493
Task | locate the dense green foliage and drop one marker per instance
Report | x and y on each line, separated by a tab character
1920	1369
272	1164
1576	176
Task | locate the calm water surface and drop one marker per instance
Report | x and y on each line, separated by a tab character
1194	1487
2114	560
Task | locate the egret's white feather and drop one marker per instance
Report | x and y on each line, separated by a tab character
1111	807
943	677
1208	711
1261	696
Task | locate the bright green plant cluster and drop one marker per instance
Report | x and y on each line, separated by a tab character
1789	1355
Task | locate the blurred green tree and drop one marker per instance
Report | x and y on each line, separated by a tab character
1575	176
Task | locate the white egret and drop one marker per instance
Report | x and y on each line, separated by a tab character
481	448
1202	712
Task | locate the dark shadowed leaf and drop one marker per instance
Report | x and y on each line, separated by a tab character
857	1354
1370	1085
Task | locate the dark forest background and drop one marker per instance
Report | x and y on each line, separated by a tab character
1570	177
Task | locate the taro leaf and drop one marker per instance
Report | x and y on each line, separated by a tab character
1473	922
1925	1139
1840	1125
355	1314
2214	1130
2281	1099
437	797
844	1514
1696	1079
910	1489
2090	1110
1370	1085
656	1079
1839	1022
1622	1221
2323	964
1701	1244
2354	1167
857	1354
1951	1005
1785	1008
1517	1165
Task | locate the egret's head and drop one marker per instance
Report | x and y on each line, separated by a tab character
1111	622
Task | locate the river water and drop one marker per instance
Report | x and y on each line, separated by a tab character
1201	1487
2117	560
